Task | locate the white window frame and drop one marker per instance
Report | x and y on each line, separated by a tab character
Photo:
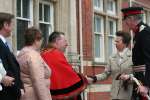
114	5
51	23
148	17
30	19
145	17
112	35
99	8
101	58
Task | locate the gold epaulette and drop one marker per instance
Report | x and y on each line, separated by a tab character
45	50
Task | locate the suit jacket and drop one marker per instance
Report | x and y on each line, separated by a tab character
141	52
13	69
114	68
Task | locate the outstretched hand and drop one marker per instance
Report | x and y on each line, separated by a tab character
89	79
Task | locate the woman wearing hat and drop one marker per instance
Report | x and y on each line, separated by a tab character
119	66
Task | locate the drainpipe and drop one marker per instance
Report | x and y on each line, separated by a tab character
84	95
81	40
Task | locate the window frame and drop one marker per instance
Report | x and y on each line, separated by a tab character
101	41
145	16
106	14
112	35
50	23
51	12
101	7
114	10
29	19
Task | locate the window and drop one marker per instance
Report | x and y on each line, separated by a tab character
98	38
111	35
148	18
23	20
144	17
111	7
105	25
46	19
98	5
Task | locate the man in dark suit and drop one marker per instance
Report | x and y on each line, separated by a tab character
10	91
141	47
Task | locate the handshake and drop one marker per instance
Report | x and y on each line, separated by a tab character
93	79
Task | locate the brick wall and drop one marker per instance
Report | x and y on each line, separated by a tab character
145	3
87	28
99	96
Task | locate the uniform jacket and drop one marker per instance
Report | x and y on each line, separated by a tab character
116	67
34	75
141	52
12	68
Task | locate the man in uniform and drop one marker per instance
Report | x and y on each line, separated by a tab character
141	50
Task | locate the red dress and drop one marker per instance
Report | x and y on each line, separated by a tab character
65	82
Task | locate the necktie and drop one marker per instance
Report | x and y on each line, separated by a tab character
6	44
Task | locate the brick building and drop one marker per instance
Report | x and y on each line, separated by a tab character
100	20
89	26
